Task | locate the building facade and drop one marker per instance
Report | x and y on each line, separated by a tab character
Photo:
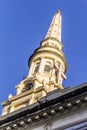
41	101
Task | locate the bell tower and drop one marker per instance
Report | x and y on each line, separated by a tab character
47	70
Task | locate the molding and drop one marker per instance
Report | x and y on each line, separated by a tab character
47	51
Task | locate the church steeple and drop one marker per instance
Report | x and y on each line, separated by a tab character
48	64
47	70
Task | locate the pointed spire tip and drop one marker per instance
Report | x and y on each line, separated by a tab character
55	27
59	11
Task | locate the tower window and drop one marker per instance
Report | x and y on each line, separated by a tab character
37	67
47	67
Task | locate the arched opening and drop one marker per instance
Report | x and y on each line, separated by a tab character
28	86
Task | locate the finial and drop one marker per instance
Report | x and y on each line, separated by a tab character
60	10
10	96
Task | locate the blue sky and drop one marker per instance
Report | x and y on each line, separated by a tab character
24	23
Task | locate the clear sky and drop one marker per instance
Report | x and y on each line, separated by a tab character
24	23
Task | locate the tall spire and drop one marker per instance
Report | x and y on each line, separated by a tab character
54	30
